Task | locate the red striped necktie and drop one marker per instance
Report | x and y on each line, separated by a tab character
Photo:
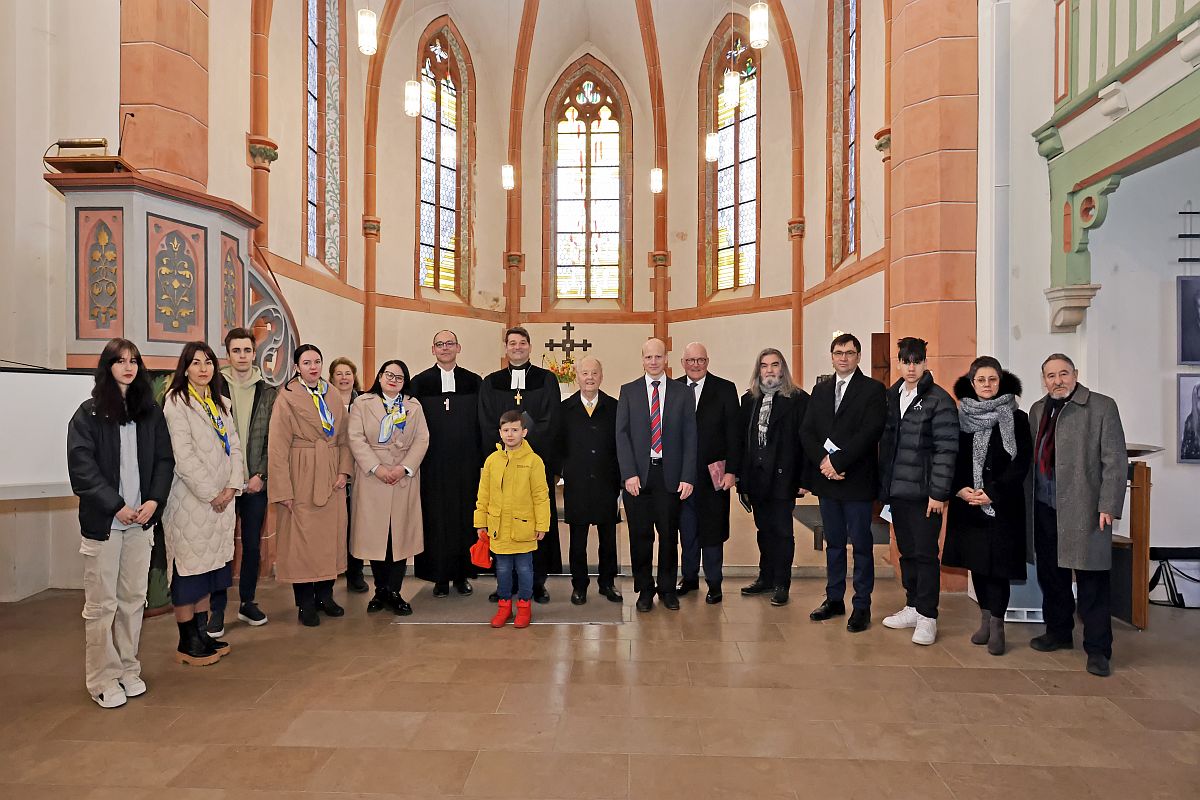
655	421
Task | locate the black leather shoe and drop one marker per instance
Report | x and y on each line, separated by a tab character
1098	665
780	596
758	587
860	620
494	597
399	605
645	601
441	589
330	608
1048	644
713	597
687	586
463	587
309	617
611	593
540	595
377	603
828	608
578	597
670	601
356	583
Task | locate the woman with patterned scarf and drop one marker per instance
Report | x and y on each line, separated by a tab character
199	518
986	527
310	465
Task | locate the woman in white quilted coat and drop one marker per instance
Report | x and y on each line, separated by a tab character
199	520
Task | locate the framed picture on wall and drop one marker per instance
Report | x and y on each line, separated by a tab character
1189	419
1189	319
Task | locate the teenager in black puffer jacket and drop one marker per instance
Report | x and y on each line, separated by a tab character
916	469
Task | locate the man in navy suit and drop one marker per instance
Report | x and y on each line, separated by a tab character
656	450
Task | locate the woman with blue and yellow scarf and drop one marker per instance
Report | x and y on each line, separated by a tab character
388	438
310	465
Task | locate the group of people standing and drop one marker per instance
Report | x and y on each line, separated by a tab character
421	466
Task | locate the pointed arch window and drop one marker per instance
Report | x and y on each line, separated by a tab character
729	232
589	160
844	27
444	156
324	133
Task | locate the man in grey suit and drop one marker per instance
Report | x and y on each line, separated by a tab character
656	450
1073	510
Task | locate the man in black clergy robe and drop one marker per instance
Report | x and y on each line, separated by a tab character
534	392
449	397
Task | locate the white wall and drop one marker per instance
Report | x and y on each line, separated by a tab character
733	342
857	309
229	101
331	322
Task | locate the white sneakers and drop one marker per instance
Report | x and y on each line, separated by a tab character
134	687
908	617
926	632
113	697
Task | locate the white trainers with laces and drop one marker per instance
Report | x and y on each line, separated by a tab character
113	697
906	617
926	632
134	687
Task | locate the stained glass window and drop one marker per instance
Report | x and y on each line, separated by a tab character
323	132
843	129
732	207
441	218
589	180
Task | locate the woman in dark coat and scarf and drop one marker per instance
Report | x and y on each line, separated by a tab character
986	527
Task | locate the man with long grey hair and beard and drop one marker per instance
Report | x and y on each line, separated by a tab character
772	469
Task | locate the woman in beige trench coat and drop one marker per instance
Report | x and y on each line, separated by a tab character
309	464
388	438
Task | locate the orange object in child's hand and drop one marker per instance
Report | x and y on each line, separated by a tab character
480	554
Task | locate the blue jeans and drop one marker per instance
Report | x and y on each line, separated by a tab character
848	521
252	511
505	564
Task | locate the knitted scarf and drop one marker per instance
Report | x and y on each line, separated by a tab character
978	417
1044	445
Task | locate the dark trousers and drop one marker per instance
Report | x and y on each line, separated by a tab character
389	574
992	593
776	540
252	511
692	553
607	534
1058	604
354	566
309	594
656	506
540	568
917	539
848	522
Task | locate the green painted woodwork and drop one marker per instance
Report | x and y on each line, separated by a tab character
1134	142
1082	89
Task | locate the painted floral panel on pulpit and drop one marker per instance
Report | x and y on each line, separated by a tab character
99	273
176	256
233	270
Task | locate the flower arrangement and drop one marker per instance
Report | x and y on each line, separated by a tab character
563	370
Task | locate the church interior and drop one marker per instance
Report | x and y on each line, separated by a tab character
1013	178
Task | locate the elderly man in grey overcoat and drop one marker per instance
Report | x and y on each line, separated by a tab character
1080	471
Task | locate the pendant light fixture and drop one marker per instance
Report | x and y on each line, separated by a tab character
712	147
732	88
368	32
656	180
760	26
412	98
508	177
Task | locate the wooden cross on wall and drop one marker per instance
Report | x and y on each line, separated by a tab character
568	343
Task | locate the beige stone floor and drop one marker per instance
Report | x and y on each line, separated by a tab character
739	700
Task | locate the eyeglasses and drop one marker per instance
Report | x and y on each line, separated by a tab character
391	376
844	353
695	362
443	345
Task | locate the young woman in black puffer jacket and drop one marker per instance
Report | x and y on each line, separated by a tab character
916	470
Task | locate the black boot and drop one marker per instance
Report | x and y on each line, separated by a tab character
309	617
760	586
221	648
399	604
192	650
